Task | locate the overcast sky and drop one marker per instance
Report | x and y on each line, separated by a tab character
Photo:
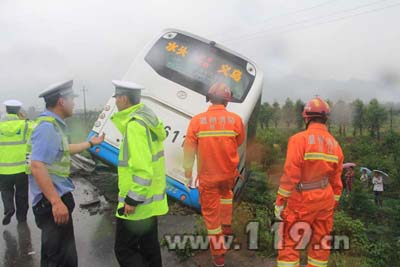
337	49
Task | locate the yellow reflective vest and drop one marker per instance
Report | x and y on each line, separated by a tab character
61	168
14	133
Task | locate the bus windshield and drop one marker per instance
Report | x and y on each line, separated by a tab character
197	65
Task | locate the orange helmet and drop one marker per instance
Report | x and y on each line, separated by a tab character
316	108
219	90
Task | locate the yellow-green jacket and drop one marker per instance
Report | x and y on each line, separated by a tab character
141	166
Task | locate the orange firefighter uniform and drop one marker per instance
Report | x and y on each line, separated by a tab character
311	187
214	136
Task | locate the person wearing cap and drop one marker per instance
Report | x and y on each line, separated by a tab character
141	178
14	132
215	136
51	187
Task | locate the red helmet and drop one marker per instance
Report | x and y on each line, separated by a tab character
316	108
221	91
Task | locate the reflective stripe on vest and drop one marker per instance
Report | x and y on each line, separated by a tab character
141	181
13	164
60	168
146	201
321	156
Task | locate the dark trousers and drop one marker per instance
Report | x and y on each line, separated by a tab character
136	243
378	198
15	186
58	241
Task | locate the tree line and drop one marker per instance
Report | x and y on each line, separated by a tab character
357	117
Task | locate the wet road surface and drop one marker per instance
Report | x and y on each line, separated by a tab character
94	234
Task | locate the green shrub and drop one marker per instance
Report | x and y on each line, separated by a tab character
355	230
377	254
345	260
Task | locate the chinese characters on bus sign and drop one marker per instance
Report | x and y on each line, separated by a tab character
173	47
224	69
236	74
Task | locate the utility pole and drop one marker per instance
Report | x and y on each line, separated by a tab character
84	90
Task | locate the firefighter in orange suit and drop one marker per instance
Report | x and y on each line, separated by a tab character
215	136
310	187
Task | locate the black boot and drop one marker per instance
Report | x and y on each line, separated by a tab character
7	218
